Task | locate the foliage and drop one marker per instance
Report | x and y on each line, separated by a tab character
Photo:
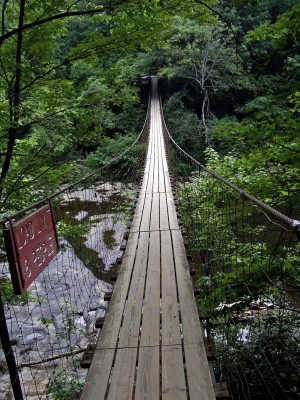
244	261
69	231
205	60
230	239
265	366
67	76
184	124
63	385
284	32
248	279
8	296
265	165
128	165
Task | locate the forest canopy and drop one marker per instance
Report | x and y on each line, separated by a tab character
70	88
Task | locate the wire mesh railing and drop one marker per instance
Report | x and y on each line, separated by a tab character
46	330
246	258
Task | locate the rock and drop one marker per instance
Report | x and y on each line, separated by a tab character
5	388
37	382
64	301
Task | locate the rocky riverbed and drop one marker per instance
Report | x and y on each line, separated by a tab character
58	316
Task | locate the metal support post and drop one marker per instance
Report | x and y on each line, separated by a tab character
9	355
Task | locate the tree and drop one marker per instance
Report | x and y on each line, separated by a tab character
203	58
40	93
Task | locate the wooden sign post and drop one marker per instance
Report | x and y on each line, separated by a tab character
31	244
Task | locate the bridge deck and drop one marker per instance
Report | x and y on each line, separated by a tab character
151	345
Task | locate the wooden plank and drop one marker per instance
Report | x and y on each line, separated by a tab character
97	380
191	327
144	184
158	124
165	163
136	221
109	333
145	222
121	386
168	183
194	348
163	213
173	221
173	380
147	383
169	302
155	130
137	218
198	374
130	330
150	334
155	214
149	188
161	183
155	176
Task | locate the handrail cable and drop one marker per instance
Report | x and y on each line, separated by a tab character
72	185
293	223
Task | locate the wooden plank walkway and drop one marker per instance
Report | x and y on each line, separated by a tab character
151	345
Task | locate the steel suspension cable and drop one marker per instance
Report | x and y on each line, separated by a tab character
293	223
82	180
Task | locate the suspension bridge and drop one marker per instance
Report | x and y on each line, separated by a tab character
152	344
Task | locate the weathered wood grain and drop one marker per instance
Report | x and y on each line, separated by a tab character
173	380
122	381
148	374
170	315
150	330
130	330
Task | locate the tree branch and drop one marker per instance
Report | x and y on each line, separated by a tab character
14	99
4	76
42	21
70	354
55	67
284	146
214	11
3	16
14	187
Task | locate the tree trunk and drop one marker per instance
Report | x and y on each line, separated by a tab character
14	101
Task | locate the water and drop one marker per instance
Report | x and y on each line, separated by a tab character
101	212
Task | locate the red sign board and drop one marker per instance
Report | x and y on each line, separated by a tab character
31	244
